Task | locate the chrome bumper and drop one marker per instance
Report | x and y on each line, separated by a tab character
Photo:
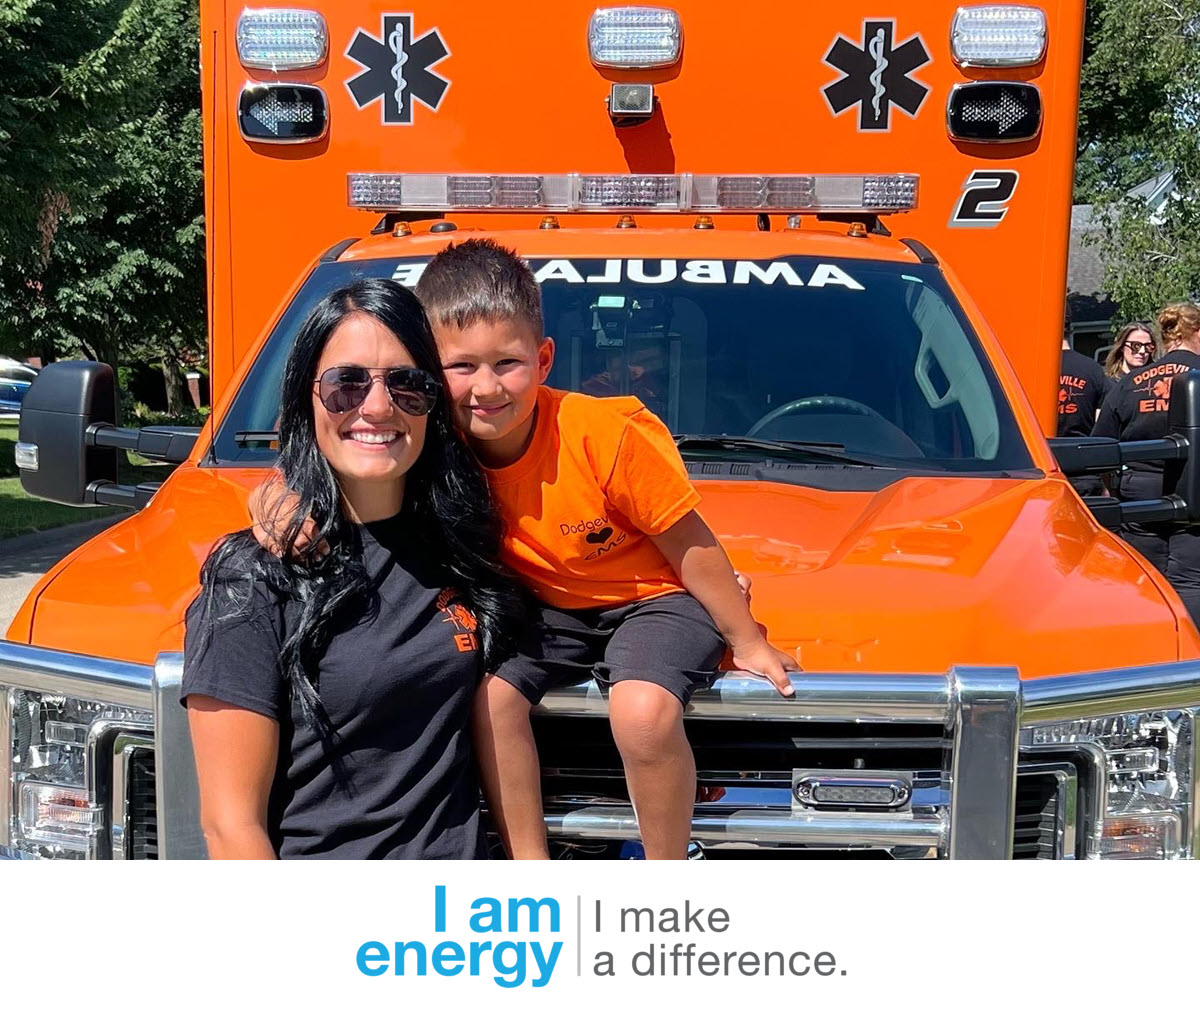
981	710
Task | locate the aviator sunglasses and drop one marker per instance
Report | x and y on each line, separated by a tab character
412	391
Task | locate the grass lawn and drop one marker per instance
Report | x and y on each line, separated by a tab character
20	513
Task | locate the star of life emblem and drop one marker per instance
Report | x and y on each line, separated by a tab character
398	68
875	75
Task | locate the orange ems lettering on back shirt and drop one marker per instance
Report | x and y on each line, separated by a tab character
599	477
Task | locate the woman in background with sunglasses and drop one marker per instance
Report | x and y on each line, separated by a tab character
1136	410
1134	348
329	693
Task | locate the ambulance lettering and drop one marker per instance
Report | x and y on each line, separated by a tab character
699	273
410	274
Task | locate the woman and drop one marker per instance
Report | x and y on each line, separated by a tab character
1136	410
329	695
1134	348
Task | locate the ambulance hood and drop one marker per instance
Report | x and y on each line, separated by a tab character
922	575
932	572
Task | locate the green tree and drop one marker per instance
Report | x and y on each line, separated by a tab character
101	194
1139	117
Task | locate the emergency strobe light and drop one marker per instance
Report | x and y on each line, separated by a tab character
998	35
635	37
876	193
281	39
282	114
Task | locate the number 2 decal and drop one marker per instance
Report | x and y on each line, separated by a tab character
985	198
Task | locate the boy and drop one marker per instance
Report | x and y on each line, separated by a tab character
601	527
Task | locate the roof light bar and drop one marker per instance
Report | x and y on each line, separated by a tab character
635	37
281	38
998	35
626	192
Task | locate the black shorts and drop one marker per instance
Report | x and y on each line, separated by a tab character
669	641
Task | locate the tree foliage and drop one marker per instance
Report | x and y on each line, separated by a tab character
101	194
1139	117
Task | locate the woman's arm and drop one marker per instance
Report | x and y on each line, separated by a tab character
700	562
236	754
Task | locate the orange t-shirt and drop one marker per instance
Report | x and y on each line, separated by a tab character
598	478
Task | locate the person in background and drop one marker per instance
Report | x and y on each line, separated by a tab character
1135	347
1136	410
1081	389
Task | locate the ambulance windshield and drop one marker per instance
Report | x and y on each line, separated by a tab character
871	358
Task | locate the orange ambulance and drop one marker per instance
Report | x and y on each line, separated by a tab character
827	246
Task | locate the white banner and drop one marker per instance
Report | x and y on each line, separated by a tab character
612	937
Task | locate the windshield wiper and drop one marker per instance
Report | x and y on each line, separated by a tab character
792	451
249	437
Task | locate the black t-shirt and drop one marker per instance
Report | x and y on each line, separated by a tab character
1081	388
1136	410
396	683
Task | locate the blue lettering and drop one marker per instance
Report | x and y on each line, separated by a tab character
477	951
418	949
445	954
515	969
491	910
545	964
439	908
372	952
534	907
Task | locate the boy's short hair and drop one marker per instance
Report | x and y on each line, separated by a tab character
479	280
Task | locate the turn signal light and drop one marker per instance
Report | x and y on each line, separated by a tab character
994	111
282	114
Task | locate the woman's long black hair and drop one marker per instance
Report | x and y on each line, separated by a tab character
447	505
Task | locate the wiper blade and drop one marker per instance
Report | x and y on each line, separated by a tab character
793	451
248	437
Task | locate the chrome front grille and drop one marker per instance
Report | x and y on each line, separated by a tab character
989	793
1047	825
141	835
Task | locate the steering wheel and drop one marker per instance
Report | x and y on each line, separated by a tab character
817	404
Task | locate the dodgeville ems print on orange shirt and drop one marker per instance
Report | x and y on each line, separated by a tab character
598	478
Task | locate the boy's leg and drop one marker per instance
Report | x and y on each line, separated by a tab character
508	767
660	771
556	648
659	652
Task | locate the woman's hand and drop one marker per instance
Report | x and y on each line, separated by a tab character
236	753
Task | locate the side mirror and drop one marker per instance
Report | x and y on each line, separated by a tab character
54	456
1181	477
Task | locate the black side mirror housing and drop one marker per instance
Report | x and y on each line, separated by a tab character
55	458
1181	477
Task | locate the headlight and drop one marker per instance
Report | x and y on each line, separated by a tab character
1148	797
57	747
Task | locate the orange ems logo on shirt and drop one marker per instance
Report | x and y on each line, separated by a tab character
1154	385
1069	387
460	616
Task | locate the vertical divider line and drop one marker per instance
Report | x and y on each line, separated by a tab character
578	936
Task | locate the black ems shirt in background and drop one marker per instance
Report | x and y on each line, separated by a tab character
1081	388
1136	410
397	684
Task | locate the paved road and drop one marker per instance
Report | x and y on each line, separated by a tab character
24	559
